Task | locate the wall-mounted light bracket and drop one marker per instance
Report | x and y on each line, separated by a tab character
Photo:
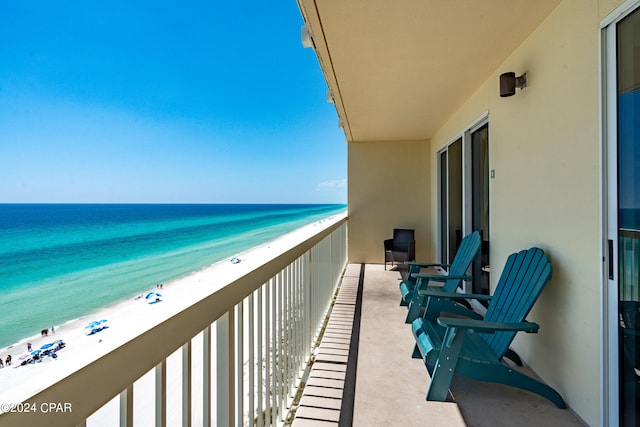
509	82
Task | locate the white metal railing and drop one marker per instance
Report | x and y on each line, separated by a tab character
234	357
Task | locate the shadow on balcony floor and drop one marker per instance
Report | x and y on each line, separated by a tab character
390	386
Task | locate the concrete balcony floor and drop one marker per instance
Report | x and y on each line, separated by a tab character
384	386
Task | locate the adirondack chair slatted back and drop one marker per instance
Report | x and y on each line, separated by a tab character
523	278
469	248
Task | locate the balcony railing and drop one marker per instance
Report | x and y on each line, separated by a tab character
238	353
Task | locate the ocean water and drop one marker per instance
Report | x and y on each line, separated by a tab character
62	261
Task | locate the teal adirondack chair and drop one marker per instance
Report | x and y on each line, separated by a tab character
469	248
475	348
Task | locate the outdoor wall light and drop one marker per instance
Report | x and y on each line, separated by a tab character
306	36
329	96
509	82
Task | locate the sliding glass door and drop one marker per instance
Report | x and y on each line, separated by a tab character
622	47
463	201
480	205
450	201
628	178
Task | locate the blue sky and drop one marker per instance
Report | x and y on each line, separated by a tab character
166	102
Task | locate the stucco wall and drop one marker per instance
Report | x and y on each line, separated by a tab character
544	148
388	188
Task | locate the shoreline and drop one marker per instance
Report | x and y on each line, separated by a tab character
129	318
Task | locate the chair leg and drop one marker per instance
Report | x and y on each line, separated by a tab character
415	305
416	352
446	365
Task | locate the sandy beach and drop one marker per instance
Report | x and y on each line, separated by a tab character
127	319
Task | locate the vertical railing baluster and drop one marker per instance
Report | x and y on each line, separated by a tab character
296	332
267	341
274	353
286	322
251	359
224	368
281	352
161	394
239	377
206	376
307	298
186	384
260	328
126	407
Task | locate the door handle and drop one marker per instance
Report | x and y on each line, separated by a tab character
610	259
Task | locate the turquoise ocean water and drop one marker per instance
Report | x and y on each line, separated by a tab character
62	261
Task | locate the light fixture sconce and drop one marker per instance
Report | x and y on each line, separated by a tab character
509	82
306	35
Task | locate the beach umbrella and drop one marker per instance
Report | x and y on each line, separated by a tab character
46	346
34	352
24	356
153	297
95	323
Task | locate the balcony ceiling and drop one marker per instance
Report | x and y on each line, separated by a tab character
398	69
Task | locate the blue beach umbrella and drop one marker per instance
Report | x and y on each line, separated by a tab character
46	346
34	352
153	297
95	323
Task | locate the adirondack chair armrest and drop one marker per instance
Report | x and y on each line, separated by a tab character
452	295
425	265
439	277
480	326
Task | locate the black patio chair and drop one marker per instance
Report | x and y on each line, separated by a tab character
401	248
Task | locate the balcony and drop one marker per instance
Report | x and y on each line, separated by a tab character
389	387
238	355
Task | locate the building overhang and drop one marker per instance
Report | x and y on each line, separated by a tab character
398	70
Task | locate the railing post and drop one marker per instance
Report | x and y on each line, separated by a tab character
224	368
267	344
126	407
186	384
251	356
206	377
161	394
239	366
259	351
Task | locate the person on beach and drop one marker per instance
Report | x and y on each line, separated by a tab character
29	347
8	361
53	330
1	364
